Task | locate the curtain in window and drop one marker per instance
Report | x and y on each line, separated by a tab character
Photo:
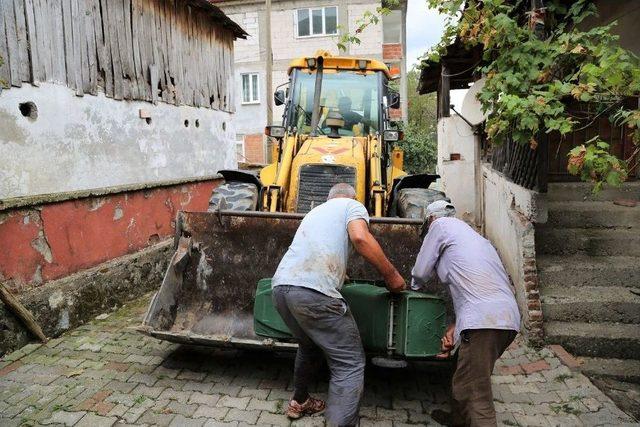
316	15
303	22
245	88
331	20
254	88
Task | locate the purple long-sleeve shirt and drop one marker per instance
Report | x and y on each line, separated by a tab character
469	264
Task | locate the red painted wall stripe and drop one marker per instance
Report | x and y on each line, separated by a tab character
54	240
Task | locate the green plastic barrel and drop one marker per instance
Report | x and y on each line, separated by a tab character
266	319
420	324
370	306
419	320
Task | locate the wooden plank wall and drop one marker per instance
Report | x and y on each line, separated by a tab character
150	50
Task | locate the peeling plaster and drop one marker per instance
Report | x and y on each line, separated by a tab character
37	276
118	213
42	246
97	203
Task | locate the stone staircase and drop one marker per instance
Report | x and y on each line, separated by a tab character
588	256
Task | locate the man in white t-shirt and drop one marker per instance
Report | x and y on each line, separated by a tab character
306	294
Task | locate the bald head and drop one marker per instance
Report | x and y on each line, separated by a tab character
342	190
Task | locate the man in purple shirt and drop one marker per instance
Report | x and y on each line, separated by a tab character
487	316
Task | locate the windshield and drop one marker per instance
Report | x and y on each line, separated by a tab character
353	95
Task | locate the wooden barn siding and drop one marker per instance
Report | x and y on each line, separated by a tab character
150	50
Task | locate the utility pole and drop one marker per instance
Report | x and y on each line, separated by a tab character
269	64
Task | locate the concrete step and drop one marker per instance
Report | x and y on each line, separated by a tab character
627	370
591	304
594	242
579	191
592	215
609	340
583	270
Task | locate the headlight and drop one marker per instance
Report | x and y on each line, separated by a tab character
391	135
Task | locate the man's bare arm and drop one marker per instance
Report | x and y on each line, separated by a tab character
367	246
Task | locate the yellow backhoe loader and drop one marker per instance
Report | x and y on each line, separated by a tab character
335	128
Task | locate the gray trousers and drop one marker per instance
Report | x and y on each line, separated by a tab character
324	325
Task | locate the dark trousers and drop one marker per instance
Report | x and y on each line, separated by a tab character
472	398
324	325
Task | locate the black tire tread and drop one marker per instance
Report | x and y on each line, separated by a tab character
413	202
237	196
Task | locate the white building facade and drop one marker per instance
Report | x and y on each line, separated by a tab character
298	29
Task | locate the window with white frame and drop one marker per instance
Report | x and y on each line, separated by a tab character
250	88
317	21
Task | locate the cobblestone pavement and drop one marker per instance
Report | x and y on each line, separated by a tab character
105	373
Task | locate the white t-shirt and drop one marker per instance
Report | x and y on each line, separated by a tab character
317	257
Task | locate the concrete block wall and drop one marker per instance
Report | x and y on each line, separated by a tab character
371	37
247	50
285	43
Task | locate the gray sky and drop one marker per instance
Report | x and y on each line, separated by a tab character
424	28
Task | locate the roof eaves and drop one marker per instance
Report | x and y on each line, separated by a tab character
220	16
461	65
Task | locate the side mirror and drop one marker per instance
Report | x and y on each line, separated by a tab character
279	97
394	100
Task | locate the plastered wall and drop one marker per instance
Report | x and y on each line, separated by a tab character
76	143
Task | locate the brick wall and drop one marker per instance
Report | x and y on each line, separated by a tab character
254	148
395	113
392	51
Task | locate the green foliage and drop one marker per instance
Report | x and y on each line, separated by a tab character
566	408
420	143
420	149
139	399
592	162
532	74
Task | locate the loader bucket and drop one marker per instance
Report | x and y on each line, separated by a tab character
207	296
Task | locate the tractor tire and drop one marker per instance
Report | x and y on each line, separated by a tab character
237	196
413	202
